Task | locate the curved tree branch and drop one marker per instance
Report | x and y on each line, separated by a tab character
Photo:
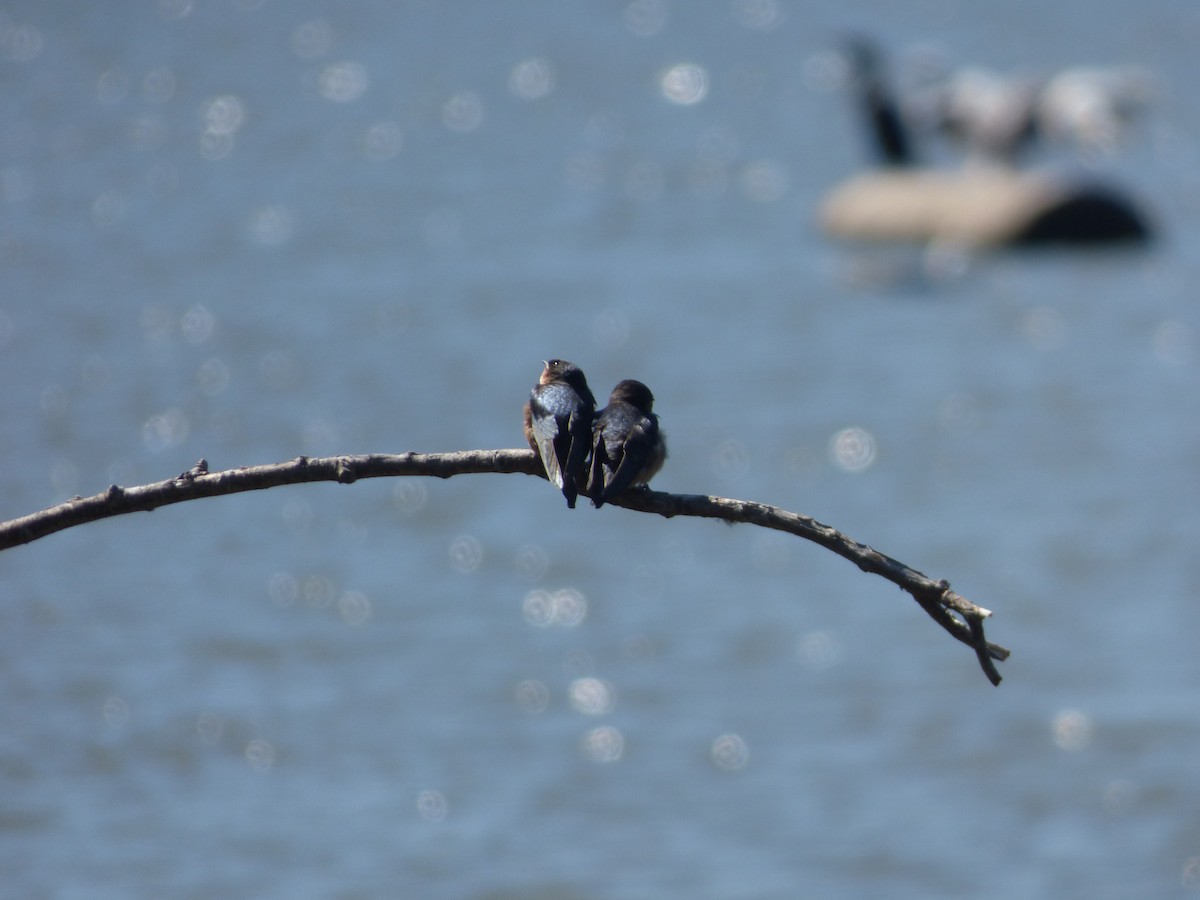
957	615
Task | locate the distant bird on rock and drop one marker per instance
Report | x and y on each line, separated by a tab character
992	205
887	131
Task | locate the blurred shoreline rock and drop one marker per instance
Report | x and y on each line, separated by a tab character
979	208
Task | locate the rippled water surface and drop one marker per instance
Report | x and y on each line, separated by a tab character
247	230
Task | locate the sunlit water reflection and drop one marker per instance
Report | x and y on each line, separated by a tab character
245	231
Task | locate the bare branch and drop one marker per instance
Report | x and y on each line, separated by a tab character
957	615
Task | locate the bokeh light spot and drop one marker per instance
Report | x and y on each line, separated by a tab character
343	82
215	146
432	806
318	591
827	71
463	112
212	377
283	589
158	85
260	754
731	459
570	607
819	650
312	39
174	9
645	18
730	752
112	86
565	608
592	696
410	495
758	15
466	553
531	561
685	84
605	744
532	697
270	226
354	607
384	141
167	429
531	79
853	449
158	323
115	710
1119	796
210	727
197	324
538	608
1189	875
224	114
1072	730
22	43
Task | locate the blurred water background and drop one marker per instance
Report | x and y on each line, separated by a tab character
247	229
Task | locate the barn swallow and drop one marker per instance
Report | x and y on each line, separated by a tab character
628	449
558	425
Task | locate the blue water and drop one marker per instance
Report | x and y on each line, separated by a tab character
247	230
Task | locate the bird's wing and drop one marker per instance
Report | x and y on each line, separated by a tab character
635	453
579	432
546	432
599	458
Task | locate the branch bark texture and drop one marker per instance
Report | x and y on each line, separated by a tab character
961	618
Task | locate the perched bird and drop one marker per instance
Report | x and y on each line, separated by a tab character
558	425
887	131
1093	107
628	449
994	116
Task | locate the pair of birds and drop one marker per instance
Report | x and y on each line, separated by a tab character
605	453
